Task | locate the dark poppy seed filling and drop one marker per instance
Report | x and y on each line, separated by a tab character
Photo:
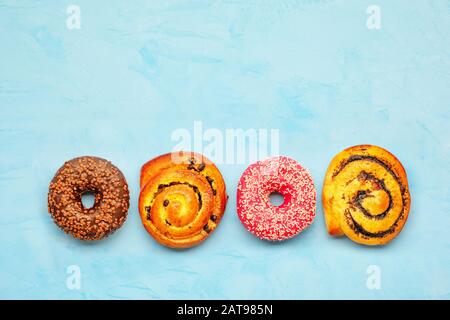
362	194
369	158
359	229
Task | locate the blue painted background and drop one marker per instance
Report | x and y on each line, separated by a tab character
138	70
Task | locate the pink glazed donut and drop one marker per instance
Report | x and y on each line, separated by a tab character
265	220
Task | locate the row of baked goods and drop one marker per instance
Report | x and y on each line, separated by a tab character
365	196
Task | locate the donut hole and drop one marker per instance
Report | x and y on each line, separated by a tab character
88	199
276	198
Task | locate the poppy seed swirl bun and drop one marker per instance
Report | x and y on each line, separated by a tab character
365	195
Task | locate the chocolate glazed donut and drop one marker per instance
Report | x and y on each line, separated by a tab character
112	199
365	195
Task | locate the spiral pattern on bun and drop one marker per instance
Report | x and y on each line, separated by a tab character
182	199
365	195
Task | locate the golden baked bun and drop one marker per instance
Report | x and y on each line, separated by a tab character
182	199
365	195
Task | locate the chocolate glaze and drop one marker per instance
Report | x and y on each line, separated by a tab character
81	175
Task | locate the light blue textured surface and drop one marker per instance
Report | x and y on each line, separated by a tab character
137	70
